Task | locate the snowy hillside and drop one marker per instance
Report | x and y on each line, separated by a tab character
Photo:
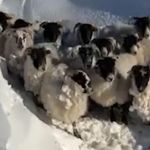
22	126
97	11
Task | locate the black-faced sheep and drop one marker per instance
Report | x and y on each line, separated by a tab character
49	32
82	34
64	94
81	57
140	26
106	46
109	88
140	90
38	60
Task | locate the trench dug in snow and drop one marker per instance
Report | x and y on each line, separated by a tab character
24	126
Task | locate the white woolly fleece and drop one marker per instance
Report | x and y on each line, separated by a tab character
14	46
107	94
63	98
141	102
32	76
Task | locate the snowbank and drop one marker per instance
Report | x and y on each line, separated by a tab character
21	130
57	10
96	11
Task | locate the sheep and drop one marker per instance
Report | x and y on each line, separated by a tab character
142	25
81	57
130	44
104	82
138	54
38	60
81	35
15	41
49	32
133	52
140	91
107	46
64	93
119	30
109	88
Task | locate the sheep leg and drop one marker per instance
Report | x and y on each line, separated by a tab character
92	105
125	111
75	131
112	114
37	103
21	80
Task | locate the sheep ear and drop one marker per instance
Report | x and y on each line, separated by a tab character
78	47
133	69
77	25
43	24
94	28
129	72
60	25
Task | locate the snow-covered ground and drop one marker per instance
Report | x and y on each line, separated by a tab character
23	125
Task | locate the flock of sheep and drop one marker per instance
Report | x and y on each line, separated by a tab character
65	68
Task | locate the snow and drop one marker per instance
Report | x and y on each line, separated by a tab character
57	10
97	11
19	126
23	125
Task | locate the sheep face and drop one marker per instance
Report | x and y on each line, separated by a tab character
106	68
51	31
85	32
38	56
88	56
142	24
141	75
105	46
21	41
16	42
20	23
131	44
83	80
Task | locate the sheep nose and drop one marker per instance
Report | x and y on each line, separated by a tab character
134	53
141	89
110	78
88	66
147	36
